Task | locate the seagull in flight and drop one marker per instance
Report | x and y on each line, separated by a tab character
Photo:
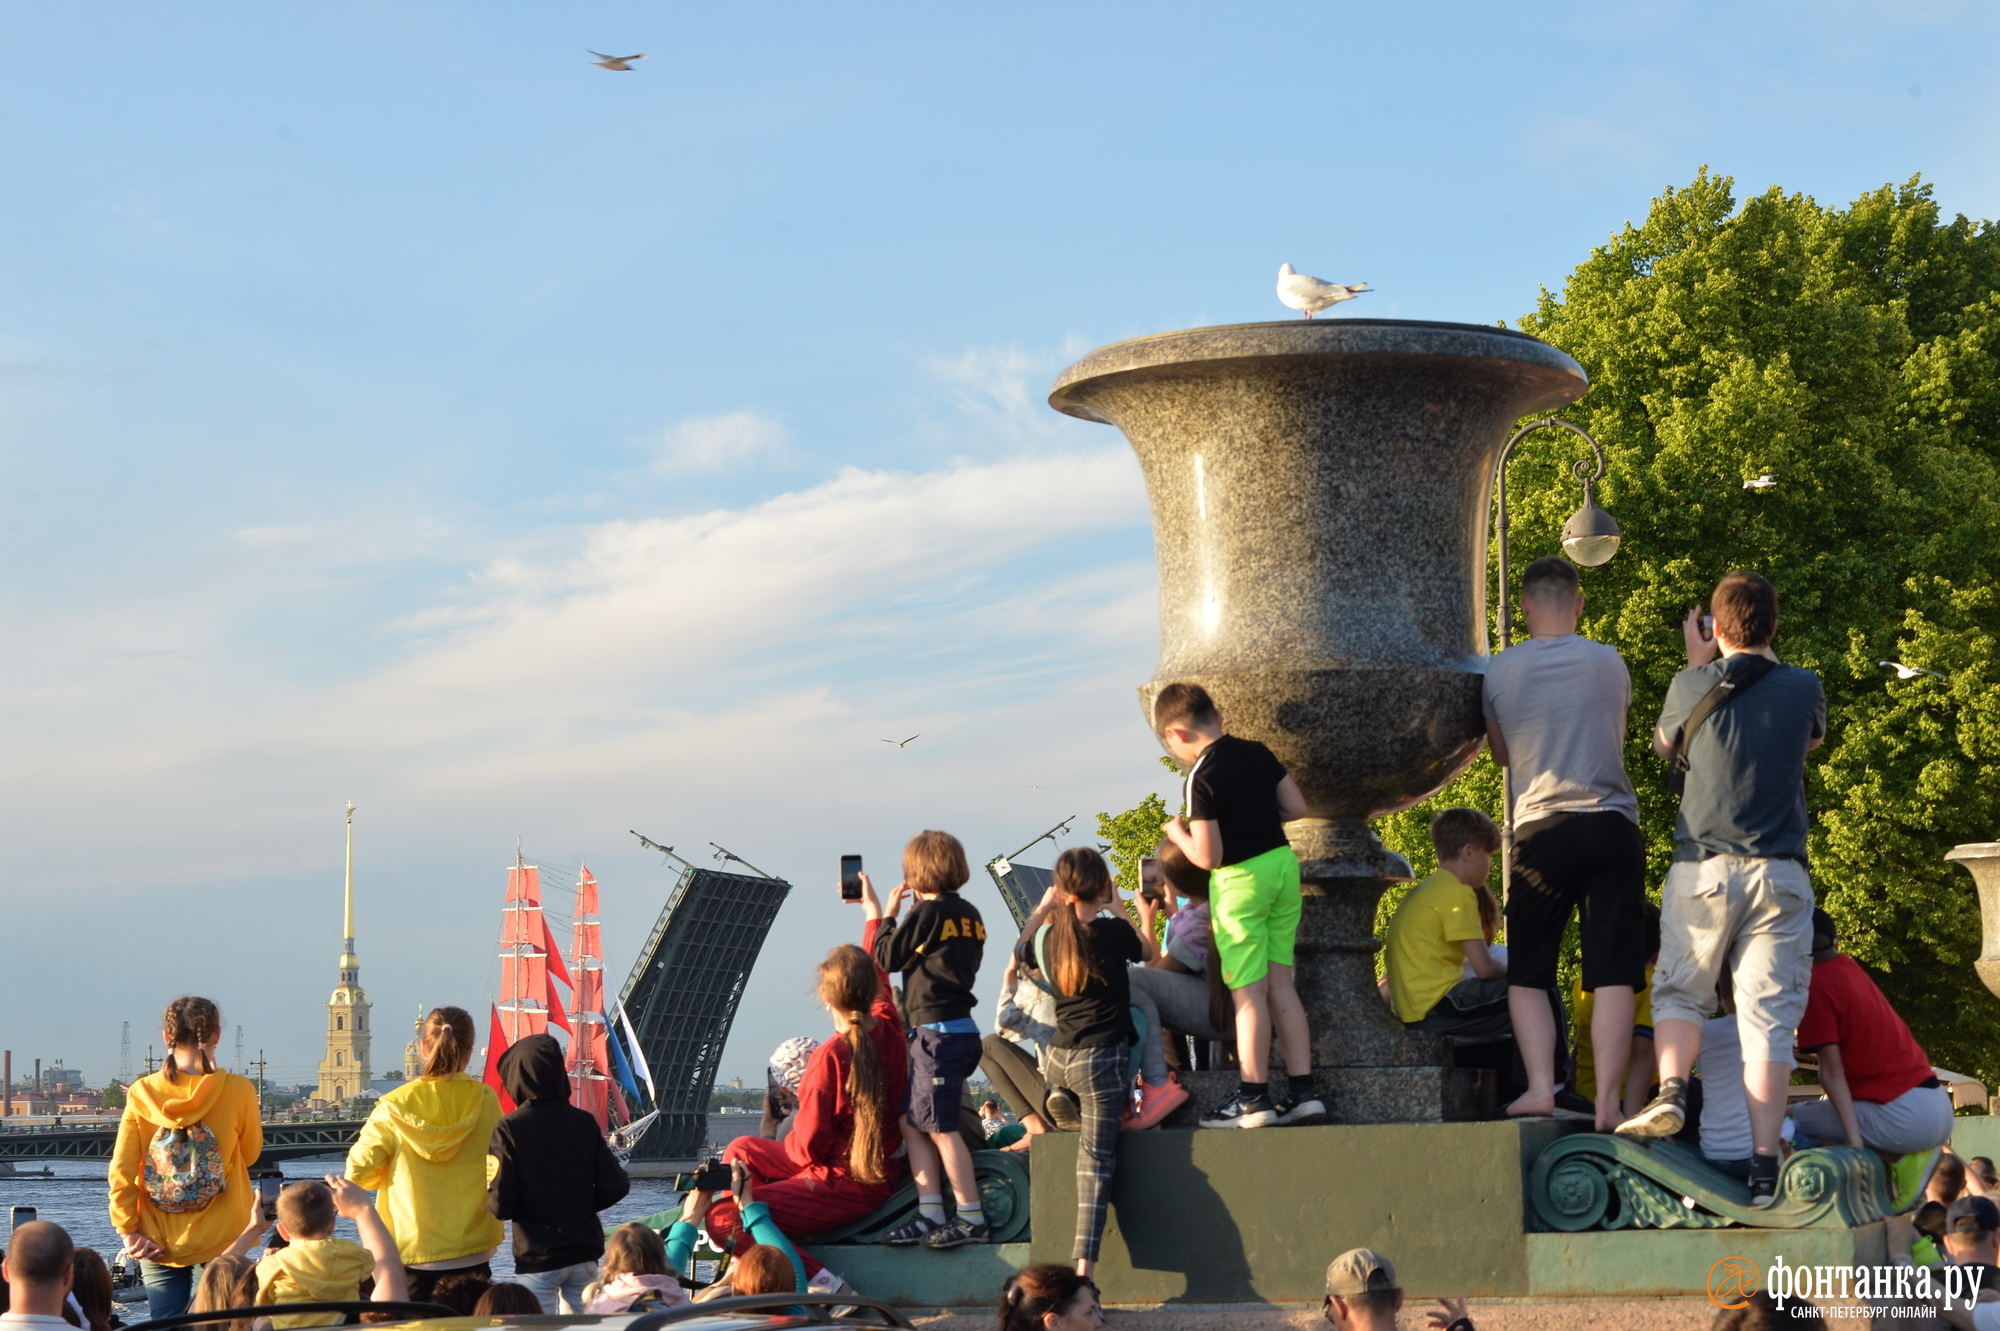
621	63
1907	671
1312	294
1764	482
900	743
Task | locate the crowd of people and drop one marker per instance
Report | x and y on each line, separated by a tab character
1686	1020
1689	1017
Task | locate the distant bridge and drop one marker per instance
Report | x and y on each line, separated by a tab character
282	1141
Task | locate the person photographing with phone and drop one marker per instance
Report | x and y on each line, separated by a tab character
937	951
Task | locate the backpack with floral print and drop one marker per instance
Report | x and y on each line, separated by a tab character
184	1168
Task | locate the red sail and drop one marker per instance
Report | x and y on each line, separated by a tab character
589	1058
548	942
496	1045
527	1004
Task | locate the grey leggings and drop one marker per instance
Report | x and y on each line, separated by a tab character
1099	1078
1169	998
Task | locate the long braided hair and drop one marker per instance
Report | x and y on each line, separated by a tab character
190	1021
848	985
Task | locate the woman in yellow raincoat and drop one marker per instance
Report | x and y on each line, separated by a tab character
423	1152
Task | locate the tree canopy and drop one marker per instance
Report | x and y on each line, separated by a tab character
1853	354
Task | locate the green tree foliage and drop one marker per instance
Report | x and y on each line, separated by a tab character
1134	834
114	1096
1854	353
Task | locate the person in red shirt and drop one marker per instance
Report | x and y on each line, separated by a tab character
1880	1092
835	1165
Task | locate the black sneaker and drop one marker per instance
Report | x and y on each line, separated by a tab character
1664	1115
958	1233
911	1232
1065	1112
1241	1112
1763	1181
1309	1110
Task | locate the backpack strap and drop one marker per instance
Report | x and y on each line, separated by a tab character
1735	680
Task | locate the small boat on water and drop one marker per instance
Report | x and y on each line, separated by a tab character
8	1170
601	1063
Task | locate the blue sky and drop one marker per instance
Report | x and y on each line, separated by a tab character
395	407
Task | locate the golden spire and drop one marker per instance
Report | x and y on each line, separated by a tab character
348	961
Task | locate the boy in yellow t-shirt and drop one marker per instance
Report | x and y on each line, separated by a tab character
316	1267
1438	933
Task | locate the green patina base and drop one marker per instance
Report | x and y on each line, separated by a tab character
1463	1209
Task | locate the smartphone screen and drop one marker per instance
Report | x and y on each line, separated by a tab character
267	1194
19	1216
850	878
1708	627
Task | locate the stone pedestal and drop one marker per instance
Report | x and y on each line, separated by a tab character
1981	859
1319	494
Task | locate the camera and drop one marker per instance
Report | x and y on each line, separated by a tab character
715	1176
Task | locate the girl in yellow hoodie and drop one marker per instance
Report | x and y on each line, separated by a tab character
180	1172
423	1151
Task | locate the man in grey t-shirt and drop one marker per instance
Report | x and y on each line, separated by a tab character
1555	717
1738	896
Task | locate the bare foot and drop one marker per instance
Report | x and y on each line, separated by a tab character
1529	1106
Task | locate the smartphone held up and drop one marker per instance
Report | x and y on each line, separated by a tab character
850	878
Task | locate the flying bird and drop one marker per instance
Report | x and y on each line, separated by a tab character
621	63
1907	671
899	743
1764	482
1311	294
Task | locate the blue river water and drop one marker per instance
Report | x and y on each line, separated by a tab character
75	1197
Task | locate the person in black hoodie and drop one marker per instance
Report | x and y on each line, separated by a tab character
555	1174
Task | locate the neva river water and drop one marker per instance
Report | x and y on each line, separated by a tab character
75	1197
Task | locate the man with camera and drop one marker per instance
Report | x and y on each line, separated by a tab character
1738	896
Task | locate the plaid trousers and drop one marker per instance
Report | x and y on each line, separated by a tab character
1101	1080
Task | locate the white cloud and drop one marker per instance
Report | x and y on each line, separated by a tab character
710	444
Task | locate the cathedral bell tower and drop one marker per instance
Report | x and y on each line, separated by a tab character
345	1071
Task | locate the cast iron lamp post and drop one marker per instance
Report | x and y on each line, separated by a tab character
1589	538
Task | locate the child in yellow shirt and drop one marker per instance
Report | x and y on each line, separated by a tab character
316	1267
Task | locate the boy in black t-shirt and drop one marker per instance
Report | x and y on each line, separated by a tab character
937	951
1239	798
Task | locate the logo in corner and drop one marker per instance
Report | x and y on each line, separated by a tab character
1731	1282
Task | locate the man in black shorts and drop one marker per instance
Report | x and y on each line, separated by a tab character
1555	716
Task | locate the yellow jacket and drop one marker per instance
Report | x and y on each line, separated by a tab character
227	1105
423	1152
312	1271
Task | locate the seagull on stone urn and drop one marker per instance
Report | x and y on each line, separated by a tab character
1313	294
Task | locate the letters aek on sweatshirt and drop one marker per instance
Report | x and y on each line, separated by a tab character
937	952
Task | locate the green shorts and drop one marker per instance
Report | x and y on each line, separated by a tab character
1254	914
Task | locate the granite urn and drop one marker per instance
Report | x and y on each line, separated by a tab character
1319	494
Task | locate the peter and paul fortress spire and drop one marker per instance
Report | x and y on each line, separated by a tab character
345	1070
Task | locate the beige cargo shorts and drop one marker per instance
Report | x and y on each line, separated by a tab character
1750	918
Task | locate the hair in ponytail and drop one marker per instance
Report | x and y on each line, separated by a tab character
447	1042
1081	875
191	1021
1034	1292
848	985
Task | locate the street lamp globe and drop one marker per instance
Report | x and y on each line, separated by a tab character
1591	535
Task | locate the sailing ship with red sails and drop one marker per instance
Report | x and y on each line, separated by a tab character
602	1060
